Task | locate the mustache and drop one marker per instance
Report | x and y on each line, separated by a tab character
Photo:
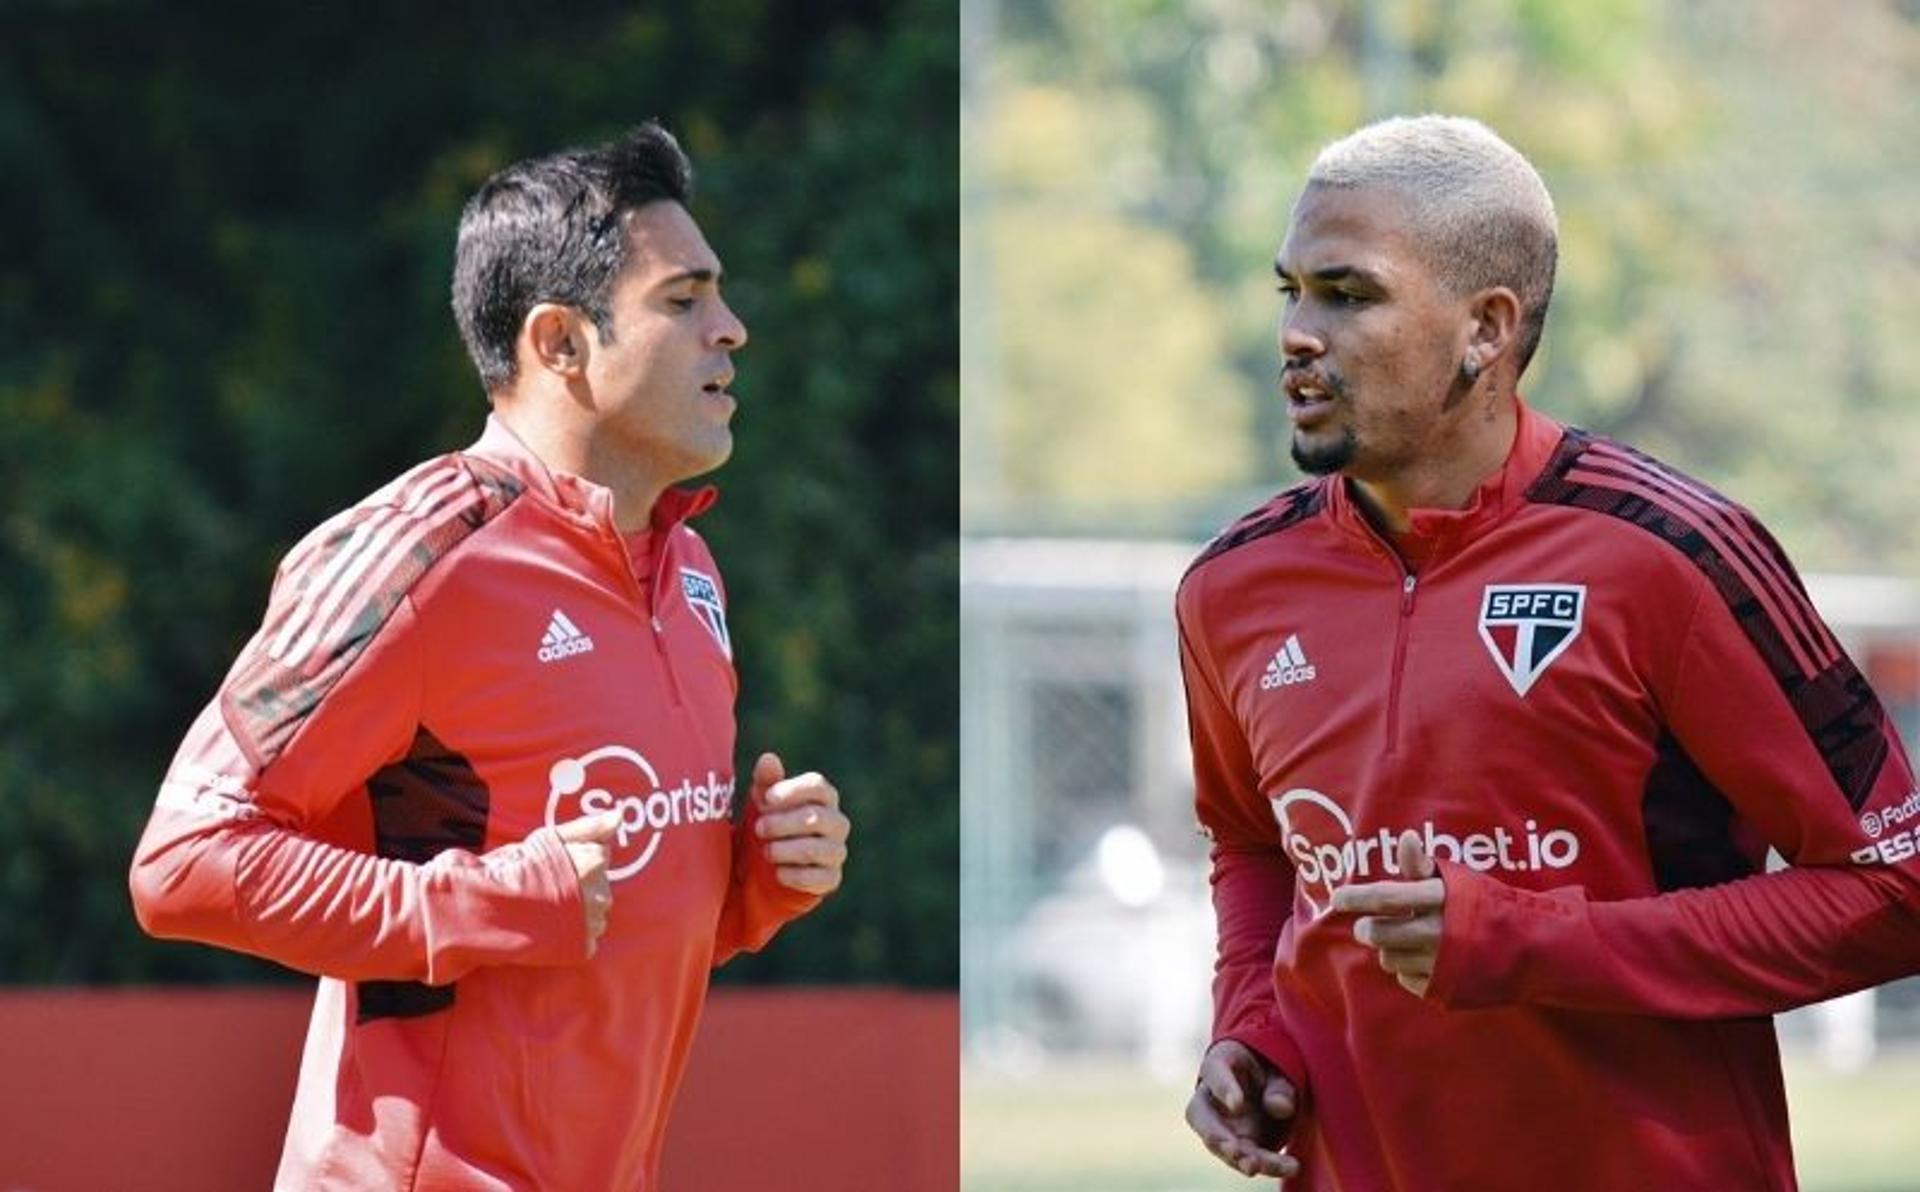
1328	379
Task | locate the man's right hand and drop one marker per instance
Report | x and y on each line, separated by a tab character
1241	1109
587	844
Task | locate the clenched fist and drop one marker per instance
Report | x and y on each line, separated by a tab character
803	827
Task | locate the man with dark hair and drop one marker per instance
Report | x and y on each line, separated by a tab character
539	231
475	770
1493	724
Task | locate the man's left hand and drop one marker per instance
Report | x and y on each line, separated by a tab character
1400	920
804	830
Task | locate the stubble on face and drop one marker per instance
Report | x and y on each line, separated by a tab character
1324	458
663	372
1370	332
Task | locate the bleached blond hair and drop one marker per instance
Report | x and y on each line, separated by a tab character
1477	207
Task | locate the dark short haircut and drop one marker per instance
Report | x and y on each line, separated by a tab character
549	229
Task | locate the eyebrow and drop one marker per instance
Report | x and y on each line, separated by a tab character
1333	273
713	275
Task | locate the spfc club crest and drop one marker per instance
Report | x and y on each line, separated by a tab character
1527	626
703	597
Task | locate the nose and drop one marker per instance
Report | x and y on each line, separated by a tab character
1298	340
729	332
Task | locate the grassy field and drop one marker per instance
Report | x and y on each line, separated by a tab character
1115	1130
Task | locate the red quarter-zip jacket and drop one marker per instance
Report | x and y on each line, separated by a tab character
1600	700
446	671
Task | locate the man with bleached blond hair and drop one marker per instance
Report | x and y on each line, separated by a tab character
1494	722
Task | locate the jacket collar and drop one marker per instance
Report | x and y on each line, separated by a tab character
575	495
1439	532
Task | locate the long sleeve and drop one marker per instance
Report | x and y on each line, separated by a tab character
1777	720
1252	882
245	850
757	905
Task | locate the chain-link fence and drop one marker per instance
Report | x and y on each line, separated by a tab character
1077	838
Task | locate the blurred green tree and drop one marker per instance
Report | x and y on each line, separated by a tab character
223	315
1740	213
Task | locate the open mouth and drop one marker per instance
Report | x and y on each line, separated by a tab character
1308	397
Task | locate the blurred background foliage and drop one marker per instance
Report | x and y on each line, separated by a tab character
223	315
1739	193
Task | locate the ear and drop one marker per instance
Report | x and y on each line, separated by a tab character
1493	332
554	338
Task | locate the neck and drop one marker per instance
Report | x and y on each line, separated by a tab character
579	447
1448	471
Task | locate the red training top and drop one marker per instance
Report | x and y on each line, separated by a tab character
446	671
1601	698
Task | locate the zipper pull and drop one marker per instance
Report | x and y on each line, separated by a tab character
658	628
1406	586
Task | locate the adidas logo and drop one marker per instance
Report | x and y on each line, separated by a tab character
563	639
1289	666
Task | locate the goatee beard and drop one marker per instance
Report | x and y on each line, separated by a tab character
1326	458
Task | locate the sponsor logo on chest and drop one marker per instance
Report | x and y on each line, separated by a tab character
1527	626
615	778
1327	851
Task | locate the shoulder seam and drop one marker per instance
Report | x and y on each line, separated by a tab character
395	494
1287	509
316	630
1717	535
328	576
1738	561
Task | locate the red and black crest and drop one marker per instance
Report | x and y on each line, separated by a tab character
1527	626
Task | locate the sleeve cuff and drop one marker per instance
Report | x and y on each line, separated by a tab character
1452	984
1276	1047
519	904
782	904
548	853
1500	944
